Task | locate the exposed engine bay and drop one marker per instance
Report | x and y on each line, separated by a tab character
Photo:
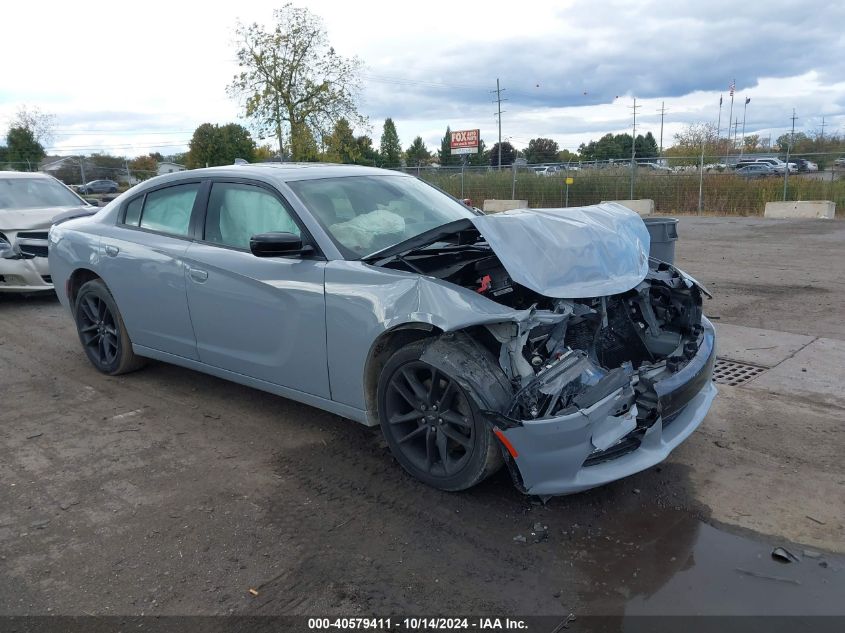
566	355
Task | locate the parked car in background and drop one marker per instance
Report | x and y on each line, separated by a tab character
804	165
547	170
546	340
839	162
656	167
99	186
777	164
756	170
29	204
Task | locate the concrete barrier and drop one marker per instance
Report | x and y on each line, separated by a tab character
643	206
824	209
497	206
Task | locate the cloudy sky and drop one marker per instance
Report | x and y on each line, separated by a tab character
130	78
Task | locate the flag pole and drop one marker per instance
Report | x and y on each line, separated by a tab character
744	110
719	122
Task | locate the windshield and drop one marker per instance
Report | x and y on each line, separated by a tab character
365	214
35	193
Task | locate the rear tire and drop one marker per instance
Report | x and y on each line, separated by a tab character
433	425
102	331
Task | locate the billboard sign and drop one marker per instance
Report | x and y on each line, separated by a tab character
465	141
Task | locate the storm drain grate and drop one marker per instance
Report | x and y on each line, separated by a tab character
729	372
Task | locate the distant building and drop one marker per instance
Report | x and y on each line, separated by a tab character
169	168
53	166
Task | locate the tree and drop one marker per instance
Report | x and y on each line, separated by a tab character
508	154
479	158
290	76
541	150
444	155
368	155
104	166
303	145
341	144
264	153
606	148
417	154
143	167
390	148
40	124
24	152
215	145
565	156
646	146
237	143
688	143
751	143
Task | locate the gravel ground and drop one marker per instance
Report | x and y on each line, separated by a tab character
170	492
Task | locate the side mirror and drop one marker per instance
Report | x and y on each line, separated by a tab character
278	245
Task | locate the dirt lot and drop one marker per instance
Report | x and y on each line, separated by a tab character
170	492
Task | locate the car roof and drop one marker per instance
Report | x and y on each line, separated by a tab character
293	171
23	174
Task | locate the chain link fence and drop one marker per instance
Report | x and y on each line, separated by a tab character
710	186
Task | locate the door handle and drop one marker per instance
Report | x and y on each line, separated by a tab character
112	251
200	276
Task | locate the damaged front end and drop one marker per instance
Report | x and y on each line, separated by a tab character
603	386
596	380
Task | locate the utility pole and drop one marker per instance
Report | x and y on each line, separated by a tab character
662	111
499	100
634	147
788	149
719	122
82	168
821	136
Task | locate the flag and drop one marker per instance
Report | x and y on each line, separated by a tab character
732	87
747	100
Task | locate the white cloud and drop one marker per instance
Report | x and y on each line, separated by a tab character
133	78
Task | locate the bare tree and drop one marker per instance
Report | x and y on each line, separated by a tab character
292	82
40	124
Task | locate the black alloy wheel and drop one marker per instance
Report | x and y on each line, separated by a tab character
432	421
102	332
98	330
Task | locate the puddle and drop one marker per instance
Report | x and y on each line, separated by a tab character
669	563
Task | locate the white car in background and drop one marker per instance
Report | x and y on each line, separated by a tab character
30	203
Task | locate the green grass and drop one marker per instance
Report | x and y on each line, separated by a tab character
723	193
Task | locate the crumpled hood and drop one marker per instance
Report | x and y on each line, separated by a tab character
34	219
570	253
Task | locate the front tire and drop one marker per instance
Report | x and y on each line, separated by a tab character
432	424
102	331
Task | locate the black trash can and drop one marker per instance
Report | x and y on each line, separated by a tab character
664	234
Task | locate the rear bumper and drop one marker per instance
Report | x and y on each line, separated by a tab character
551	453
25	275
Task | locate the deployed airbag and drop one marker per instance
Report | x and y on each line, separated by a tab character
570	253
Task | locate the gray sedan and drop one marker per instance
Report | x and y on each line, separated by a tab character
545	340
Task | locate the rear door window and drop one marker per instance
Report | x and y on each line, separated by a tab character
169	210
